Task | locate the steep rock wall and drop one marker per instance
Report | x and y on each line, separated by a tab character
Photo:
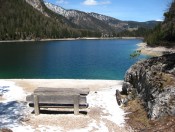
153	81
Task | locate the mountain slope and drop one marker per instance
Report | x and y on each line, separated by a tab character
37	4
123	24
81	19
95	21
118	25
40	6
19	20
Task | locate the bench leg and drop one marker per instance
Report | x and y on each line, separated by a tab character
36	104
76	104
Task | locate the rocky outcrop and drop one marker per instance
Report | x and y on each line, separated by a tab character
153	81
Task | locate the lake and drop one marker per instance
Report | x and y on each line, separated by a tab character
74	59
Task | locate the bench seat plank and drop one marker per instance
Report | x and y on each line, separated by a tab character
47	90
59	105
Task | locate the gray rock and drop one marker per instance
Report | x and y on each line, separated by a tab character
152	81
118	97
126	88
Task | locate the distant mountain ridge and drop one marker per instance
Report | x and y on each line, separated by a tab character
81	19
76	16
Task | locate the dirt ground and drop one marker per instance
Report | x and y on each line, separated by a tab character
154	51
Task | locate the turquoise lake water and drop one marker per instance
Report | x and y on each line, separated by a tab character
77	59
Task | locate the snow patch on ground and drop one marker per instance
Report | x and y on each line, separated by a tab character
13	109
10	92
106	100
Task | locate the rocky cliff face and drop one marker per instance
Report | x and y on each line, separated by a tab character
153	81
61	11
37	4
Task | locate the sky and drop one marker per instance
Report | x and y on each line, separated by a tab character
135	10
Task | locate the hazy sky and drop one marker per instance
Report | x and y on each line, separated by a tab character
137	10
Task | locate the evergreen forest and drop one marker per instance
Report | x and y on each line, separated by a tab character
164	33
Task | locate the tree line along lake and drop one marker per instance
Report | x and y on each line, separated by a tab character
74	59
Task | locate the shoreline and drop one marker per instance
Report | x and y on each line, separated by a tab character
94	85
154	51
69	39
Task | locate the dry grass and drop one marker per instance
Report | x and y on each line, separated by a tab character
139	121
169	80
5	130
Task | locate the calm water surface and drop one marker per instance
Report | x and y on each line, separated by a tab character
79	59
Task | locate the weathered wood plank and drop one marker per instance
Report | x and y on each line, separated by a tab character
59	105
36	104
76	104
57	99
47	90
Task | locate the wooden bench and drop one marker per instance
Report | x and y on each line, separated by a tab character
44	97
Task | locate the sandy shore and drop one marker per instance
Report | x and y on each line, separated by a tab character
103	113
30	84
156	51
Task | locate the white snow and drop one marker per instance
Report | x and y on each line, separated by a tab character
12	106
11	92
106	100
62	11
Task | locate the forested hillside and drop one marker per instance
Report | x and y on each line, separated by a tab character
82	19
164	33
140	32
19	20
